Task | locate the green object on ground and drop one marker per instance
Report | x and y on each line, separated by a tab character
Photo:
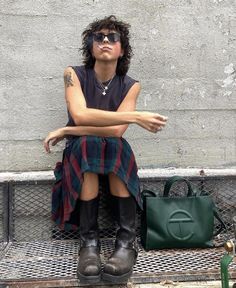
224	264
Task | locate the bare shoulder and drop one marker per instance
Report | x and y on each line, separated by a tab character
134	89
137	86
70	78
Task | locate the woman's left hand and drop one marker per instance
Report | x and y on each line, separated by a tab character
54	137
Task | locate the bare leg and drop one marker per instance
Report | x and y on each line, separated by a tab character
90	187
117	186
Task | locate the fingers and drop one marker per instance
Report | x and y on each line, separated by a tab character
55	141
51	139
158	123
155	129
161	119
46	145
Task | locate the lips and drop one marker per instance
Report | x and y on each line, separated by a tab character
104	48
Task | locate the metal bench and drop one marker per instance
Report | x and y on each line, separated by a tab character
33	250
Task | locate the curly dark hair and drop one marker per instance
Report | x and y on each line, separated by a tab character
110	23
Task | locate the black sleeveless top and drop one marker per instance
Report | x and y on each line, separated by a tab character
92	90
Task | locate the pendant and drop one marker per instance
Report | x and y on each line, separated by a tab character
104	93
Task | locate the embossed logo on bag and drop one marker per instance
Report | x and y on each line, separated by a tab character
180	225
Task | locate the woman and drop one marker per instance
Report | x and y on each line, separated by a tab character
101	100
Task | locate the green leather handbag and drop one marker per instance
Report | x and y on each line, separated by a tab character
178	222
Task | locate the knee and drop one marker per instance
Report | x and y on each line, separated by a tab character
90	176
117	186
90	186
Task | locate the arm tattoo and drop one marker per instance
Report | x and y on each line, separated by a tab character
68	79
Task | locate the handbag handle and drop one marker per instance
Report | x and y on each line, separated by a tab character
148	193
174	179
219	218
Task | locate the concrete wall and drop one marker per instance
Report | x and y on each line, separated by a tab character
184	57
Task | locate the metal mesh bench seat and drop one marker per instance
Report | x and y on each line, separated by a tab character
33	250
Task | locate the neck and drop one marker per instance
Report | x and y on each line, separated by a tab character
104	71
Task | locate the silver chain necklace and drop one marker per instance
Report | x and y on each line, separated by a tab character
105	87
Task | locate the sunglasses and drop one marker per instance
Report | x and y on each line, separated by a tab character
112	37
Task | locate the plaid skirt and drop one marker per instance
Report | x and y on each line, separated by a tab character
100	155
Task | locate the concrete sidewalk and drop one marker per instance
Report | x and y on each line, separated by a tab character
170	284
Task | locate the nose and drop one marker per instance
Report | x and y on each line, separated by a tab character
105	40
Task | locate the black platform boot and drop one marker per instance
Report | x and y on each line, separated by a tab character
89	267
120	264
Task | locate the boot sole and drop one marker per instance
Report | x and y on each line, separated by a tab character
116	279
89	279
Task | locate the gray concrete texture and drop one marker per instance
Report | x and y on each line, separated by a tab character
170	284
184	58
